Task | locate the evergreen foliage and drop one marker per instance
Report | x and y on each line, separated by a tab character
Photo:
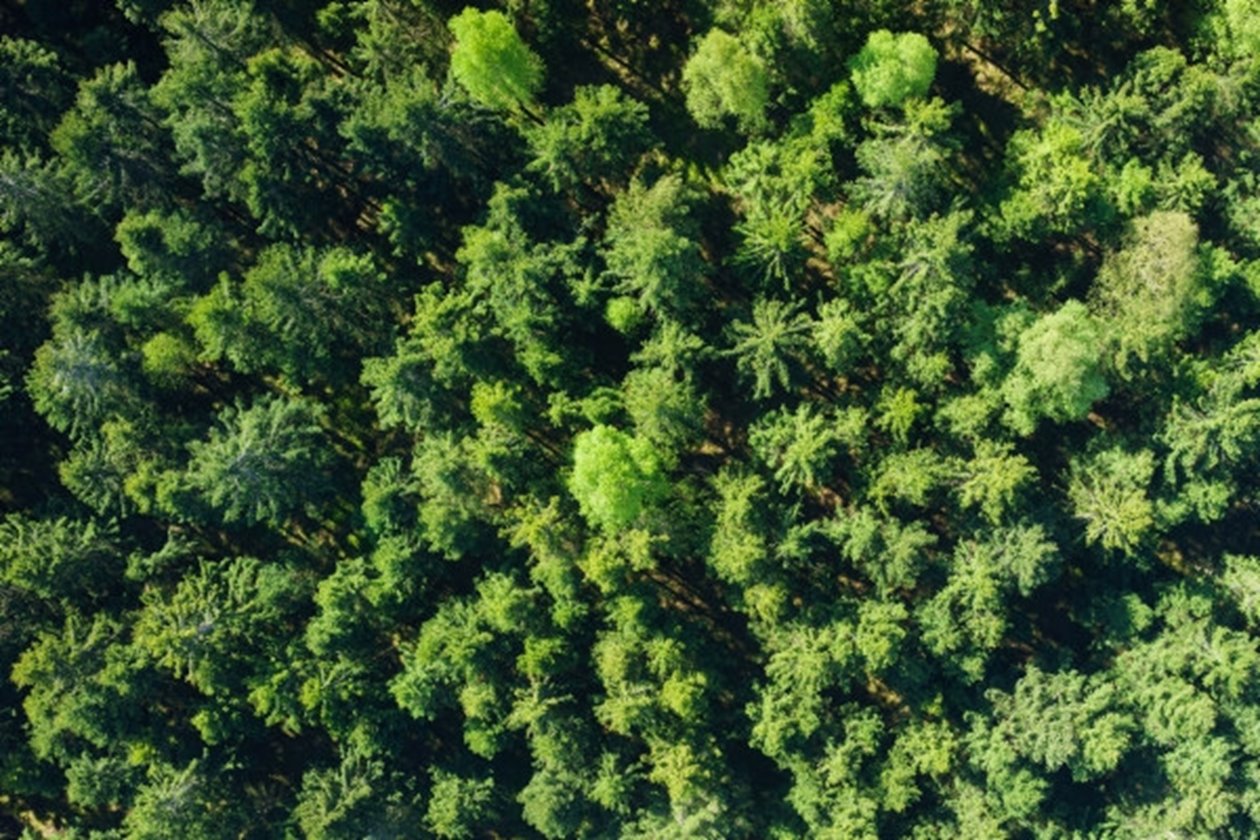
720	419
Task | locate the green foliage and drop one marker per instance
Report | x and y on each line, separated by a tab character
58	558
1240	18
457	804
765	345
1066	720
596	139
263	462
994	479
722	78
1056	188
666	409
890	68
34	89
615	477
651	250
209	629
185	800
798	446
745	430
76	383
491	61
298	311
1108	492
110	140
1058	372
1153	289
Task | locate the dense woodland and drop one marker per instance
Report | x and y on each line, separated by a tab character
629	419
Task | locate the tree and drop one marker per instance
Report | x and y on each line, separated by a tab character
798	445
1067	720
839	334
288	187
59	558
1240	18
190	800
524	283
263	462
890	68
491	61
207	44
76	674
764	345
1153	289
458	804
667	409
34	92
304	312
455	492
651	246
175	245
906	165
594	140
357	796
615	477
77	383
1109	493
722	78
1057	188
1058	372
994	479
217	629
112	141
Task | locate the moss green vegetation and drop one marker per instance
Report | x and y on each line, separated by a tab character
682	419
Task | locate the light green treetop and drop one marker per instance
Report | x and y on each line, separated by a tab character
1059	371
615	476
892	68
491	61
722	78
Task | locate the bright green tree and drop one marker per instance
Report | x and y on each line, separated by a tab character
491	61
1058	372
890	68
722	78
615	477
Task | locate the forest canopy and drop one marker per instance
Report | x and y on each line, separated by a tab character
689	419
